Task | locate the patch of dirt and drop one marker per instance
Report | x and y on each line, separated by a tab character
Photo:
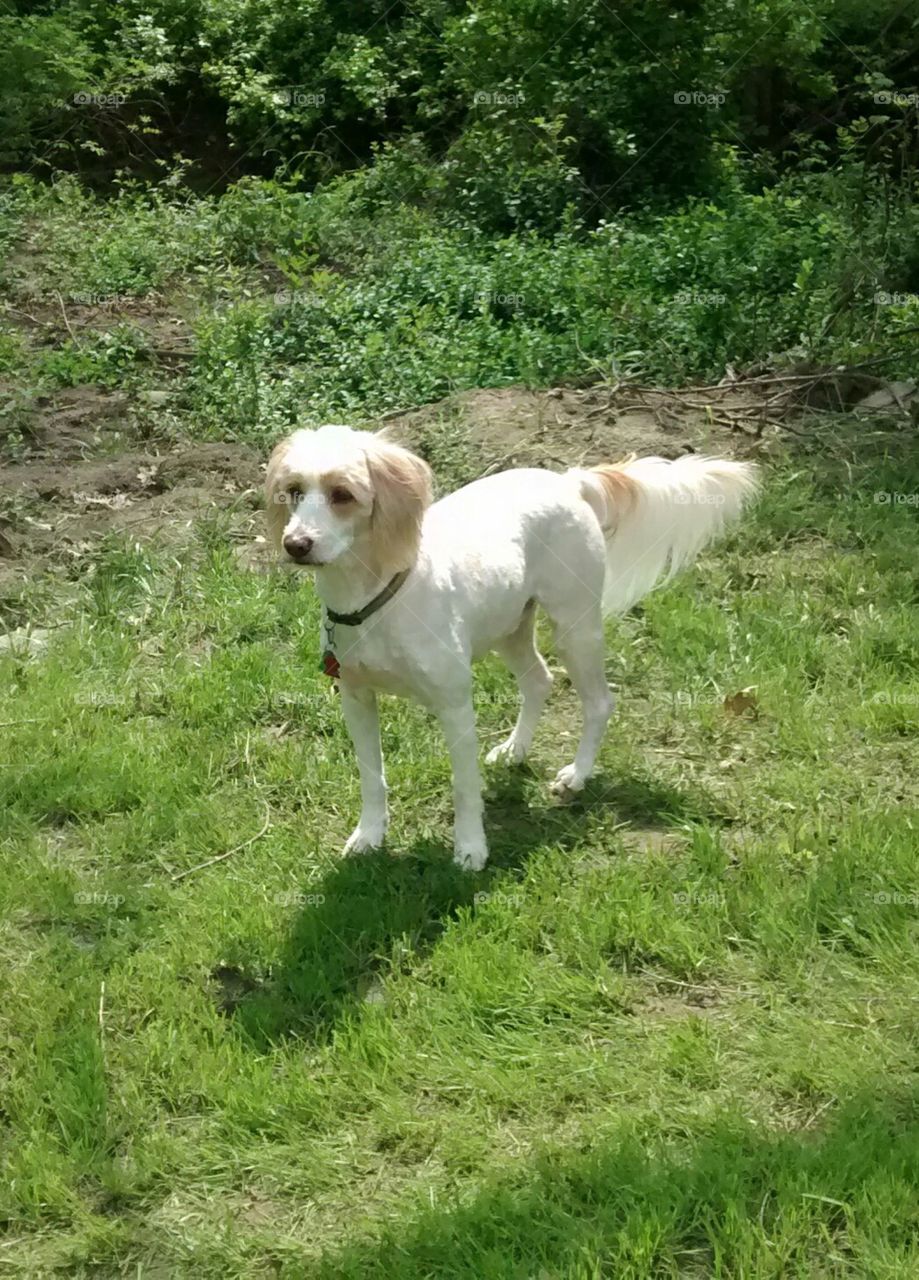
76	421
86	477
230	987
50	318
569	426
53	509
688	1000
666	1008
134	472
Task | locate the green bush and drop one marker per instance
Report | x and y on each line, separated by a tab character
386	307
527	107
105	359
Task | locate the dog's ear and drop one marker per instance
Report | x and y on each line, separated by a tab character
277	511
401	494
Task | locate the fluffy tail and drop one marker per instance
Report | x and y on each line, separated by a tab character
658	515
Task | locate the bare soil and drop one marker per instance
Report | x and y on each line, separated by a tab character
87	476
567	426
88	472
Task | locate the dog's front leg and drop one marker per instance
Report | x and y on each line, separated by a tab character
458	722
359	706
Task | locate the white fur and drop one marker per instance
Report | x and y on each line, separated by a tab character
682	506
576	544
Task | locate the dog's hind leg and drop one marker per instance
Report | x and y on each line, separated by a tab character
570	589
581	648
535	683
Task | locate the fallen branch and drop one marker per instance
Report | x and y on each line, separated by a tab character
42	324
73	336
101	1018
180	875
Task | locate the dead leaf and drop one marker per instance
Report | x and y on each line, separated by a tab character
738	704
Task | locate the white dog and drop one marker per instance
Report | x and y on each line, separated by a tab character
412	593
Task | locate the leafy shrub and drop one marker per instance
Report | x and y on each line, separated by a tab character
390	307
526	106
106	359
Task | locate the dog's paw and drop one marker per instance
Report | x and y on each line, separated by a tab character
364	840
568	782
471	855
507	752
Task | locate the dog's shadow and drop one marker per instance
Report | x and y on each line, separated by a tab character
373	913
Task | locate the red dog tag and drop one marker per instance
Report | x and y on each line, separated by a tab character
329	665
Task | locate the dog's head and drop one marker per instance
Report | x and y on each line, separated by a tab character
335	491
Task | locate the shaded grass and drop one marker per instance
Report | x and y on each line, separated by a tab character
733	1201
670	1030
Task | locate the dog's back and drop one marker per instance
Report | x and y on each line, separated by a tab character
510	538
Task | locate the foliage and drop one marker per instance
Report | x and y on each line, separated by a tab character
353	300
525	106
383	309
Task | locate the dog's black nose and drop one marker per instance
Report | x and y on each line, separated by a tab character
298	546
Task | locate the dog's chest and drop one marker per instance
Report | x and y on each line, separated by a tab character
377	661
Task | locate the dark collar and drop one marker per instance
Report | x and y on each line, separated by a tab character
355	619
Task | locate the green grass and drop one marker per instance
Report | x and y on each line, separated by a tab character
670	1031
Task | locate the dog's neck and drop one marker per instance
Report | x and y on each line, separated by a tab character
349	583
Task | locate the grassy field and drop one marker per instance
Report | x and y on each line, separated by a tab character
670	1031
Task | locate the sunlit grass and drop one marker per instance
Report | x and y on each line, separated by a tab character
669	1031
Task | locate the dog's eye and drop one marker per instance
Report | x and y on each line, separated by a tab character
294	494
339	496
